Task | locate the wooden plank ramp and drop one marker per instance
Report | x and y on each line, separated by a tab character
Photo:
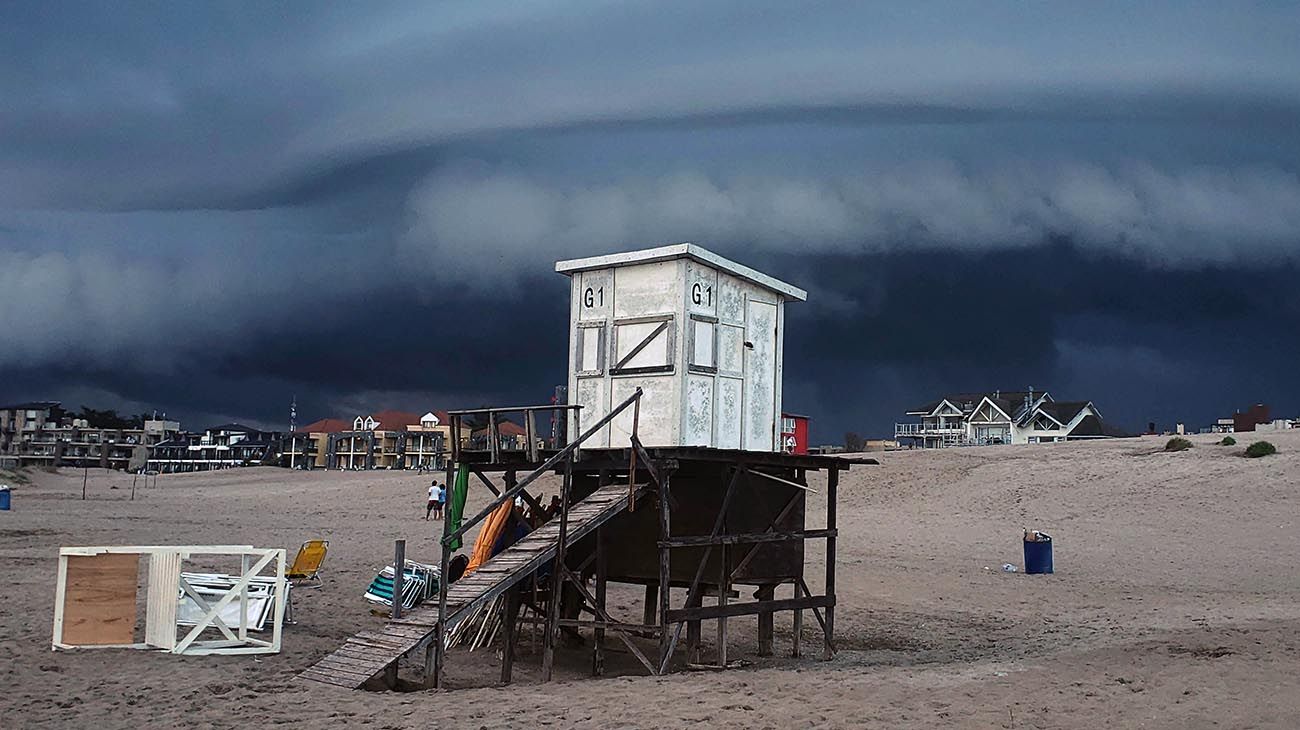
371	652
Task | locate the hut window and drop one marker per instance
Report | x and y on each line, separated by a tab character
590	345
643	345
703	351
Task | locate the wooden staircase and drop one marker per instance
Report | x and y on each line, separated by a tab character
371	652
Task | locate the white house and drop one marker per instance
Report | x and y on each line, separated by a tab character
1002	417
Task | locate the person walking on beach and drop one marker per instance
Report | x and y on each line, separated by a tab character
433	500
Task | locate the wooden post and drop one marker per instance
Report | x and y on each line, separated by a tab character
399	577
598	650
693	641
665	575
557	577
631	470
494	438
85	474
724	594
765	630
440	641
651	604
530	433
832	486
798	623
511	611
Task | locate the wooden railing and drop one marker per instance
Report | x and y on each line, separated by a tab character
565	456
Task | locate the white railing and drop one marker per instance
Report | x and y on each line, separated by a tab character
925	429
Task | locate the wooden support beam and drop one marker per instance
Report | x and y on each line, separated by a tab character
765	628
598	646
693	641
530	499
832	487
797	629
651	603
399	577
557	581
530	433
795	501
611	623
748	608
693	595
724	588
440	640
494	437
745	538
665	575
510	620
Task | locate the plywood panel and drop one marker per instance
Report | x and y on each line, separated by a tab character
728	414
592	396
698	426
648	289
760	376
99	602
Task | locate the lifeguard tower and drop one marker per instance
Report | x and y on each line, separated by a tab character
672	479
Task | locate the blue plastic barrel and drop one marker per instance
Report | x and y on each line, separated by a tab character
4	498
1038	556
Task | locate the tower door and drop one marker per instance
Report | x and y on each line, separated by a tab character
759	411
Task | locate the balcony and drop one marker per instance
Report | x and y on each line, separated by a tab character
927	429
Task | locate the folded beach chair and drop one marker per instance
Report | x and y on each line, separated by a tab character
419	583
305	571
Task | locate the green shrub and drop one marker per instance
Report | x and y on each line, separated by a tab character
1178	443
1260	448
1228	441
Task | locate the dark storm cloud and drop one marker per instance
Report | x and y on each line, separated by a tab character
219	205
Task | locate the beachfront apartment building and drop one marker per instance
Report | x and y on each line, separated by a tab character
1002	417
381	440
226	446
42	433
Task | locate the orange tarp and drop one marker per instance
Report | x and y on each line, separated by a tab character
487	537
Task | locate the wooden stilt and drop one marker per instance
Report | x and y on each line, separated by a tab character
598	646
665	533
440	642
511	632
557	578
832	485
798	623
693	641
651	604
765	628
724	593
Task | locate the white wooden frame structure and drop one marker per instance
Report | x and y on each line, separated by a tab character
163	589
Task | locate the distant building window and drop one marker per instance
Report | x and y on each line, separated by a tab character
787	425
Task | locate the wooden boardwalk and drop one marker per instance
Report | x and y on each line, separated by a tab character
371	652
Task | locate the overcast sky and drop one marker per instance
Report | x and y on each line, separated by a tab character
209	208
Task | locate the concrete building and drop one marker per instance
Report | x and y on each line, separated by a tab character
42	433
226	446
1002	417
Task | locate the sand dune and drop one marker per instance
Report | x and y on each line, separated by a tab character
1176	603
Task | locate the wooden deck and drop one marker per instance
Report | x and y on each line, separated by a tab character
371	652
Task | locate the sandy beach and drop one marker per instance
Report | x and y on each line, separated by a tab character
1176	602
